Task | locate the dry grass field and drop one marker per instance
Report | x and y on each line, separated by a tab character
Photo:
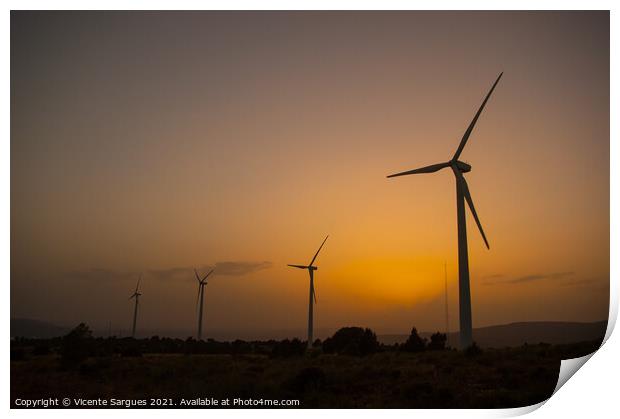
493	378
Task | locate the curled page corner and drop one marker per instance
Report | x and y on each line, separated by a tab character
568	368
520	411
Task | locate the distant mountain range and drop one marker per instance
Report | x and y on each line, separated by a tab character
36	329
513	334
516	334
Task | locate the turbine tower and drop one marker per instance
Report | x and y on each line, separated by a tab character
445	271
462	195
312	297
135	295
201	298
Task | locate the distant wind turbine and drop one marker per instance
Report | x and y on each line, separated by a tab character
312	298
200	300
135	295
462	195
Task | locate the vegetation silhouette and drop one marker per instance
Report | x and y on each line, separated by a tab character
414	342
309	379
288	348
77	345
349	369
474	350
352	341
437	342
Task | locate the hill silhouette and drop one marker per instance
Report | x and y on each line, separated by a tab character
517	334
31	328
498	336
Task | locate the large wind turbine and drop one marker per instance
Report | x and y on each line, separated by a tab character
312	298
135	295
462	194
201	298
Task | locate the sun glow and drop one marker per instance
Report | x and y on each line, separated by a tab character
392	280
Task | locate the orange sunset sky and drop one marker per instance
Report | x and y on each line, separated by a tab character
157	142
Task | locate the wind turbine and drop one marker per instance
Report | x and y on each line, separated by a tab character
312	297
462	195
201	298
135	295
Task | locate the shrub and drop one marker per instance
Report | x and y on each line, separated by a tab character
41	349
76	345
240	347
473	350
287	348
310	378
352	341
438	341
17	354
414	342
131	350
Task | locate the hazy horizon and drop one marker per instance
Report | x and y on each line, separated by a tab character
267	334
153	143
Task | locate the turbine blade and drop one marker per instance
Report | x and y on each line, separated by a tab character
470	202
427	169
138	284
196	273
317	252
298	266
473	122
207	275
314	294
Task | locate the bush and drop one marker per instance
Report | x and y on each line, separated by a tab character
76	345
240	347
473	350
414	342
438	342
131	351
352	341
41	349
287	348
310	378
17	354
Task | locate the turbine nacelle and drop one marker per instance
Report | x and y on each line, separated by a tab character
310	268
462	166
136	294
202	281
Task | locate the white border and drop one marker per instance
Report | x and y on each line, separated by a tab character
593	393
